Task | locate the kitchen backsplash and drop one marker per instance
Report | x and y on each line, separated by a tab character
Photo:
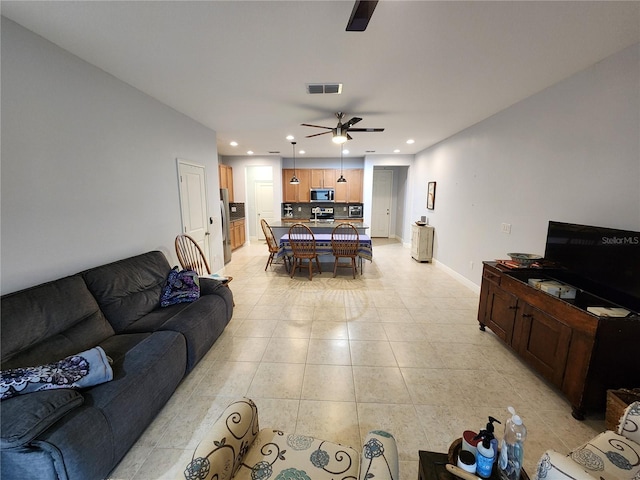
303	210
237	210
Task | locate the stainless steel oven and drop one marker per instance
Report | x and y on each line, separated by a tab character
355	211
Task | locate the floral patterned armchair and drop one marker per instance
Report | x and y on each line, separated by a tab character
236	449
609	456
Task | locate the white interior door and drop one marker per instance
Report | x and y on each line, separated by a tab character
264	206
381	203
193	203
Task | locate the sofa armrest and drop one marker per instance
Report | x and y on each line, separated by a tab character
379	457
221	452
630	423
26	416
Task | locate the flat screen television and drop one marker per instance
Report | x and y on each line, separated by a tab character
602	261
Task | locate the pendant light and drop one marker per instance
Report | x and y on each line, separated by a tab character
294	180
341	179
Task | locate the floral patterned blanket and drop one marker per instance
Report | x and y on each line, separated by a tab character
84	369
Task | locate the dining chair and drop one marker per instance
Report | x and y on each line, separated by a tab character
344	244
303	244
191	256
272	244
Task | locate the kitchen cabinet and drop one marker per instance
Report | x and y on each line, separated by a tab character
422	243
323	178
238	236
576	351
351	191
296	193
225	173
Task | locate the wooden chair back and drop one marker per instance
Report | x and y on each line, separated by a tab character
268	235
191	256
345	240
302	240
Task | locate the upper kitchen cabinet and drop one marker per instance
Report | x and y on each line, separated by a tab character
296	193
323	178
226	179
351	191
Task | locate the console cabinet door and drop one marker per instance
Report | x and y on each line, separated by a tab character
544	343
501	311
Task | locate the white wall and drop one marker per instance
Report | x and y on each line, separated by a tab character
569	153
89	171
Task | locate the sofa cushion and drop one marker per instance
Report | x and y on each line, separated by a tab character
45	323
278	455
609	456
147	368
200	322
128	289
26	417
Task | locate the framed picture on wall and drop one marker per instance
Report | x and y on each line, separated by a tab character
431	195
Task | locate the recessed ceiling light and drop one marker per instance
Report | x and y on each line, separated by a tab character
250	152
290	137
345	151
302	152
233	144
397	150
410	141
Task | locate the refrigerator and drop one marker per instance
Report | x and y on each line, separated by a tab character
226	224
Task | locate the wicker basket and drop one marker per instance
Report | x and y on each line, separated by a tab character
617	401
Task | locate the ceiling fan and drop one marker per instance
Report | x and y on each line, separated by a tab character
341	131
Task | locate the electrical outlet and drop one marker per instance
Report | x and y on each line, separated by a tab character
299	209
506	228
344	209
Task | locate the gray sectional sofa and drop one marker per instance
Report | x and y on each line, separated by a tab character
83	434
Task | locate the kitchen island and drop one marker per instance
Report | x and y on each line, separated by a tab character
282	227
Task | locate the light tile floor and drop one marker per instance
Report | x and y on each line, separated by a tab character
397	348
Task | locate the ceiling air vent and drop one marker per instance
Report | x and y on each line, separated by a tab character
324	88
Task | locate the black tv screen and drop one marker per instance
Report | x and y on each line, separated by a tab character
604	261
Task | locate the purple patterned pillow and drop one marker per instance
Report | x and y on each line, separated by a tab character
182	287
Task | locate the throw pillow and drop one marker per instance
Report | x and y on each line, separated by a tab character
84	369
181	287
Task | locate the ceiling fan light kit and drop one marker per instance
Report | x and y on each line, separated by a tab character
340	134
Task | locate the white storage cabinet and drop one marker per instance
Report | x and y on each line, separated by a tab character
422	243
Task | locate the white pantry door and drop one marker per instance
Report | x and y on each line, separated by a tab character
264	206
193	203
381	204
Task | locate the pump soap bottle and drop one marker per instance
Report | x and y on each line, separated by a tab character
487	450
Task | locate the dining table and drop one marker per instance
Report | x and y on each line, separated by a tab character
323	247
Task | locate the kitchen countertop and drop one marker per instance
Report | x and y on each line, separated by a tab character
357	222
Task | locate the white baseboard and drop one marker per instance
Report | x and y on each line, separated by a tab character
464	280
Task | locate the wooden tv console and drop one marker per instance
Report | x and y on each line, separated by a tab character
578	352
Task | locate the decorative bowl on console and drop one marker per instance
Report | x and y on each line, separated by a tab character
525	258
420	224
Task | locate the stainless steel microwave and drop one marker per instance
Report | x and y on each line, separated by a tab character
323	195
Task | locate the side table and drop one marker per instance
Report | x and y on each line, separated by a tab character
432	467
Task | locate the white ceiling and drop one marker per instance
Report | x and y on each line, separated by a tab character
422	69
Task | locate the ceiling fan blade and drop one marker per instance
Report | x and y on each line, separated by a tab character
316	126
349	137
366	129
353	121
360	15
316	134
